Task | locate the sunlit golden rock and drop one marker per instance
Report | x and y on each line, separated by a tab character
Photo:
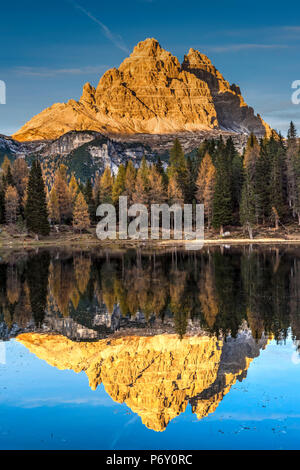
151	92
155	376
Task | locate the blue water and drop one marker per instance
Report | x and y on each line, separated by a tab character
45	408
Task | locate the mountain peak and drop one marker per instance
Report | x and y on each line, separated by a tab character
151	93
194	58
148	47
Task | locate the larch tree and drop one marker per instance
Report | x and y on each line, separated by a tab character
205	185
130	177
73	188
175	195
63	195
106	186
53	206
81	218
6	168
20	174
119	184
157	191
11	204
141	188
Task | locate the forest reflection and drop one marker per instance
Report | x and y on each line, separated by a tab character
218	290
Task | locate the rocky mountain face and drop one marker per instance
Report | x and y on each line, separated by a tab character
151	93
83	152
156	376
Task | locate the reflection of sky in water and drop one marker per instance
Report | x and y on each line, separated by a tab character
42	407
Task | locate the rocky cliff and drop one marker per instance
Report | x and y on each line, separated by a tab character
152	93
158	376
85	153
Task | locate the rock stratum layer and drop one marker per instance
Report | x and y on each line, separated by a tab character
155	376
152	93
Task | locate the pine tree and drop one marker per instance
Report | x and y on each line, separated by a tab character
89	198
297	181
291	168
36	213
292	132
191	180
97	189
261	181
178	167
222	203
247	207
81	218
276	195
237	181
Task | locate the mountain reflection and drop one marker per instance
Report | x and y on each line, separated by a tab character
89	295
161	331
156	376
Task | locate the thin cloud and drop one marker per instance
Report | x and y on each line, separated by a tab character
241	47
294	29
48	72
115	39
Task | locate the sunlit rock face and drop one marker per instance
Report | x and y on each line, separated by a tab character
151	93
155	376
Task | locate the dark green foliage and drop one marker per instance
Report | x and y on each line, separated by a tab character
88	195
36	212
247	206
191	181
292	133
223	201
178	166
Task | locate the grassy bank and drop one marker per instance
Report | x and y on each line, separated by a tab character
10	238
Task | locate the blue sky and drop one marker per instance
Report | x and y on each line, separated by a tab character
60	411
50	49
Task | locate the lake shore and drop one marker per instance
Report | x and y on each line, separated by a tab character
67	238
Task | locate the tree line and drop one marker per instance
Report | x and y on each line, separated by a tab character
219	292
258	188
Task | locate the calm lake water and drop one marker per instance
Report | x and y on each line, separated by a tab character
150	350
